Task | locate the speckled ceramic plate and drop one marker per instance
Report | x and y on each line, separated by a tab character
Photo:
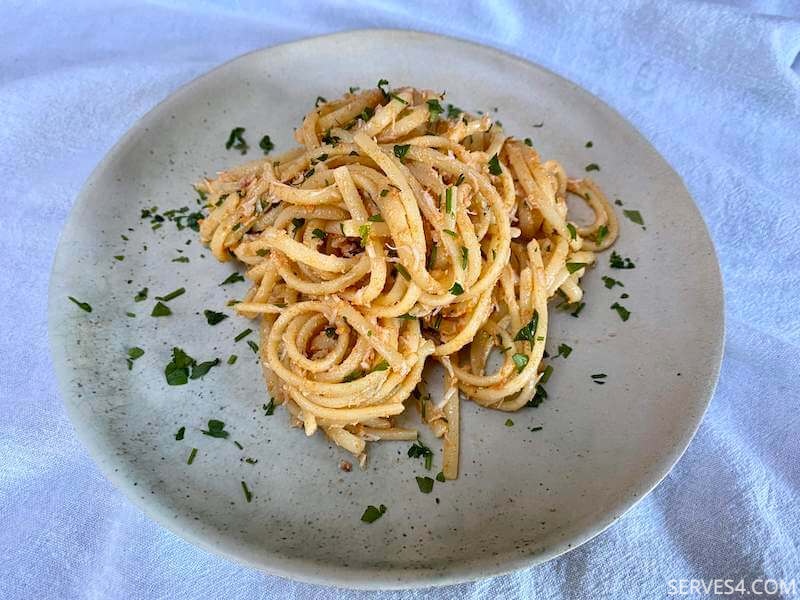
524	494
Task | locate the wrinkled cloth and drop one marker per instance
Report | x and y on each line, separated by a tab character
713	85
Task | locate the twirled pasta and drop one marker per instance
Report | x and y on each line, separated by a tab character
393	236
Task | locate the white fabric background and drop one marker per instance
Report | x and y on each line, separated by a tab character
713	86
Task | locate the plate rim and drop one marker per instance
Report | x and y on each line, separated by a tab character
400	578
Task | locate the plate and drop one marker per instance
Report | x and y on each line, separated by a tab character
524	494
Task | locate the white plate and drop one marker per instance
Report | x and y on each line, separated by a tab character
523	496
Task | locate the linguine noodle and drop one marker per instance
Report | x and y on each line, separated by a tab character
393	237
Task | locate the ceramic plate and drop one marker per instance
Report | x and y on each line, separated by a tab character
524	494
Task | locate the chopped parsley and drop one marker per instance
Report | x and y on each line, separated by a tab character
453	111
237	141
119	257
564	350
617	262
214	317
420	450
381	366
133	354
578	309
242	335
398	98
372	514
160	310
352	376
381	83
183	367
494	166
528	142
297	223
377	218
573	233
253	346
269	409
179	434
623	312
216	429
319	234
232	359
572	267
538	397
548	371
598	378
232	278
611	282
509	423
440	476
130	314
171	295
400	150
181	259
450	232
456	290
464	257
402	270
363	232
592	167
248	495
82	305
520	360
192	454
635	216
528	332
448	201
251	461
601	234
331	332
589	144
140	295
425	484
431	261
266	144
318	101
434	108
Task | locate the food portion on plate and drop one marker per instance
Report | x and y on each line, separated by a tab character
402	231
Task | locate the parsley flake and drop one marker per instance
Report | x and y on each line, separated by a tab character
82	305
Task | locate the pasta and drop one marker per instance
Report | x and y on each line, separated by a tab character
399	234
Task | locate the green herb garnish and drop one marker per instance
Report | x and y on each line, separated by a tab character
509	423
453	111
617	262
247	494
214	317
464	257
375	218
400	150
456	290
363	232
82	305
232	278
573	233
297	223
319	234
601	234
204	367
623	312
420	450
448	201
520	360
528	332
171	295
179	434
564	350
237	141
140	295
216	429
548	371
243	335
434	108
232	359
589	144
494	166
528	142
253	346
192	454
160	310
635	216
572	267
177	370
611	282
269	408
372	514
440	476
450	232
402	270
266	144
592	167
425	484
